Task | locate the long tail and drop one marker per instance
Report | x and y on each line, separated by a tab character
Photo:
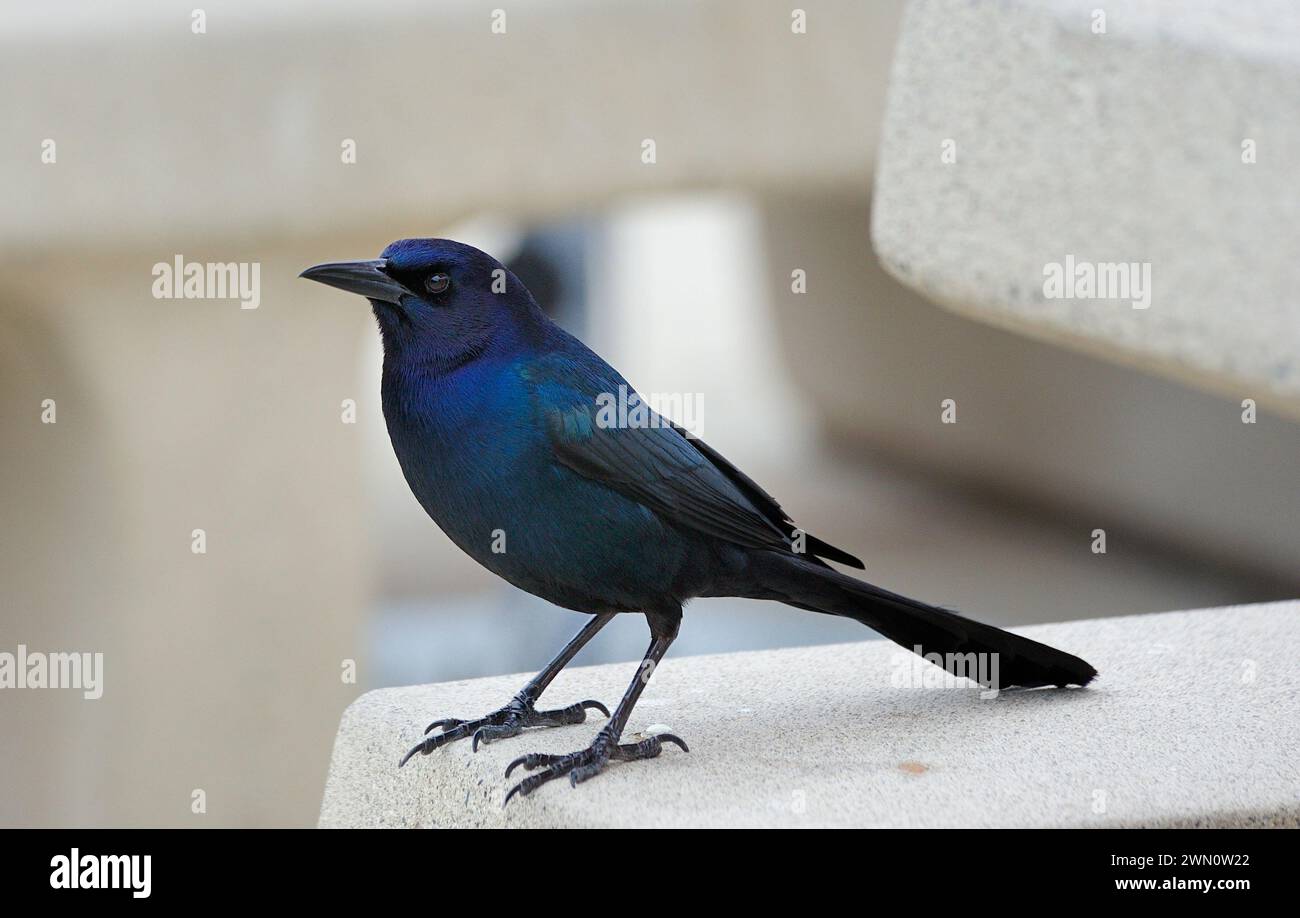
917	626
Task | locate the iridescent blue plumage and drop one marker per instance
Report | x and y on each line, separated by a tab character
494	414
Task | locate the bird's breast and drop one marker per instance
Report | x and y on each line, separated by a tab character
479	459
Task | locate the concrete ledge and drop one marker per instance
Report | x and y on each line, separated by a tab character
1124	146
1194	722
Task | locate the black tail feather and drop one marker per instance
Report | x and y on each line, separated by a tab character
917	625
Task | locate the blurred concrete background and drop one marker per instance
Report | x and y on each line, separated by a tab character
224	671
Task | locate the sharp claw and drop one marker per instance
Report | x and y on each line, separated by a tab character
513	765
478	737
670	738
446	723
430	743
406	758
592	703
523	788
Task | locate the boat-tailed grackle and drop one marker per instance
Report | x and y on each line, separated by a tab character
493	412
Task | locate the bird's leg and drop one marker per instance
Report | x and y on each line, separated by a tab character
521	711
587	763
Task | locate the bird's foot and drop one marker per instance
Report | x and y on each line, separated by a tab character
508	721
586	763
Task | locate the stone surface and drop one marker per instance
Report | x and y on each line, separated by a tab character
1125	146
238	132
1194	721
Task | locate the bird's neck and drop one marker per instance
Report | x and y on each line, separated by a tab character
444	384
441	345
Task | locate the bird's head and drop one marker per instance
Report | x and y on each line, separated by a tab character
435	299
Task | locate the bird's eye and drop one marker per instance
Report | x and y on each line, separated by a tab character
437	283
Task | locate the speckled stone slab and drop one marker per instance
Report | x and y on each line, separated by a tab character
1025	133
1194	721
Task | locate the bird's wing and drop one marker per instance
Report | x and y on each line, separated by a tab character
767	504
680	478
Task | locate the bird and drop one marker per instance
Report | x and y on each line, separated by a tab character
495	415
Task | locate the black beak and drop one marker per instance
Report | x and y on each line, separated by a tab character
364	277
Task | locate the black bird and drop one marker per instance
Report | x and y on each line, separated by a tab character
495	414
